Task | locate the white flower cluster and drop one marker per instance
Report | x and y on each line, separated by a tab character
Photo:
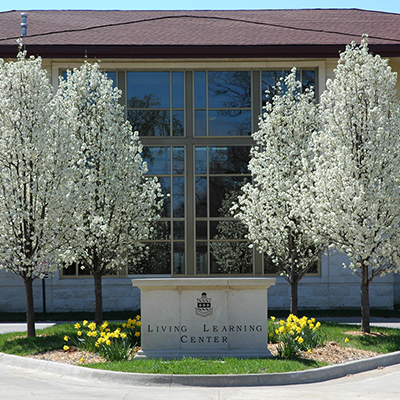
114	201
273	205
329	173
71	174
358	162
32	168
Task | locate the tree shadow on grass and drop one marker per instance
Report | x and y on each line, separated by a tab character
24	345
388	341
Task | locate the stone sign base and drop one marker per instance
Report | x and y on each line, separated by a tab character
204	317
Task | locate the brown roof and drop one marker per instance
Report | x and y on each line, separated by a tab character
245	33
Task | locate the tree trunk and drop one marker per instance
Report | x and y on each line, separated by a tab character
294	298
365	319
98	293
30	310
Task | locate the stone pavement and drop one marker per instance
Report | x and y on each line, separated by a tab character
22	378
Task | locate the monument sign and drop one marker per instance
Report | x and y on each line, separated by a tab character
203	317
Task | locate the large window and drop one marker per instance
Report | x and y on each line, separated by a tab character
196	130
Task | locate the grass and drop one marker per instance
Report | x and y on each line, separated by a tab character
199	366
386	341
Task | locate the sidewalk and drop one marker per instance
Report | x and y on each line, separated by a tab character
6	327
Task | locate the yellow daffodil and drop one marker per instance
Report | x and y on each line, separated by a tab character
66	348
66	338
77	325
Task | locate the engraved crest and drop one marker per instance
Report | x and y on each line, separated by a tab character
204	305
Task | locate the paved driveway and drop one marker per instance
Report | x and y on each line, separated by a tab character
23	384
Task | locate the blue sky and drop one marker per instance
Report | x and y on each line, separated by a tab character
378	5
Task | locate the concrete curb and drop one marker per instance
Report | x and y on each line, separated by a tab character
135	379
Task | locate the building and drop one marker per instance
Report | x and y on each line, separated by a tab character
194	84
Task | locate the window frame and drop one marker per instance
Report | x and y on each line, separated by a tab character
189	140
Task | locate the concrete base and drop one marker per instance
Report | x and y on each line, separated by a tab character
204	317
170	355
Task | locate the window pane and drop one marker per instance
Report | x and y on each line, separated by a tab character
148	89
200	89
230	123
179	258
229	89
201	160
201	197
178	160
177	89
200	123
150	122
179	230
201	230
179	196
156	260
308	79
229	160
231	258
178	123
201	258
166	190
223	191
71	270
158	160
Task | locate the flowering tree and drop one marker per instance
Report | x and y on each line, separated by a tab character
33	169
114	202
273	206
358	166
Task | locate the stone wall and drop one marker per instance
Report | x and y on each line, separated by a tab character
335	287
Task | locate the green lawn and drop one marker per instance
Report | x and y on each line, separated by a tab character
388	340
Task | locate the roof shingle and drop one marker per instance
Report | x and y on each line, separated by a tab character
170	31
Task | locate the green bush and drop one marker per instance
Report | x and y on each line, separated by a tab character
113	345
294	335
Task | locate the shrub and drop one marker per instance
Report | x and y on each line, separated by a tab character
113	345
294	335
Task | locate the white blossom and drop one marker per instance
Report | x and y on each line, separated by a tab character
33	171
114	203
273	205
358	165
